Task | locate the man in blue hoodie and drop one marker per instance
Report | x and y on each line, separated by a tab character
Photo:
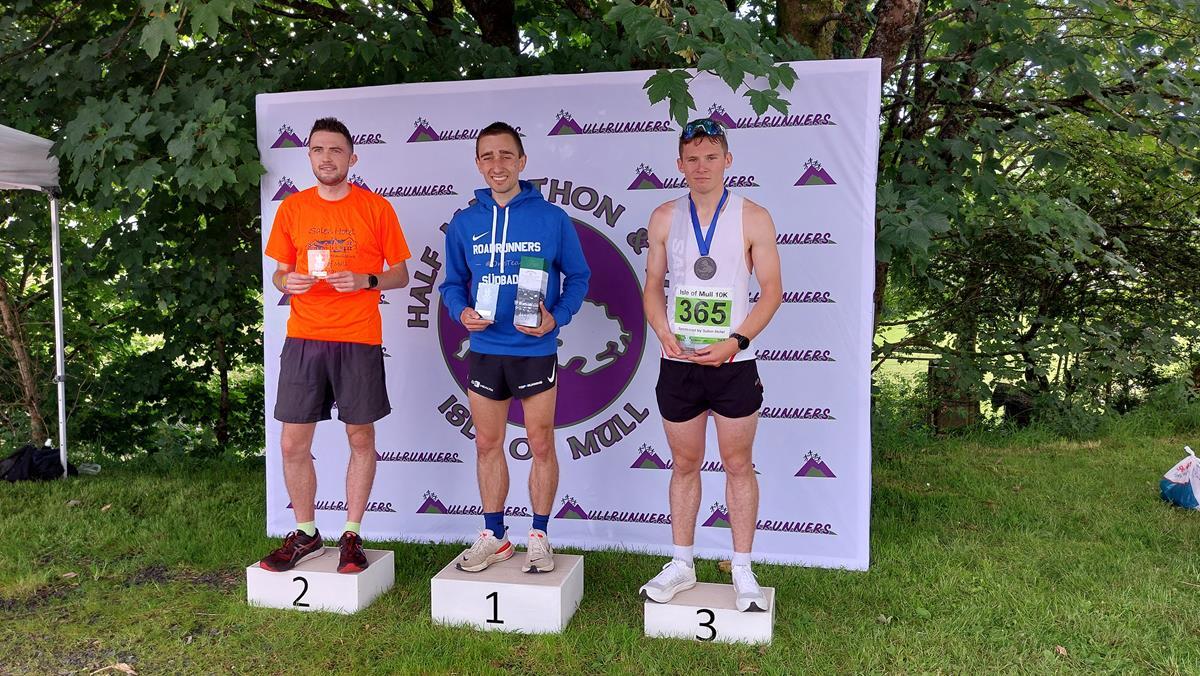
486	244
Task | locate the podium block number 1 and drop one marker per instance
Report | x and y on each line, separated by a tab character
303	591
495	619
707	624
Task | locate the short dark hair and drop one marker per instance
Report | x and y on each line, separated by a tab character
696	129
498	128
334	125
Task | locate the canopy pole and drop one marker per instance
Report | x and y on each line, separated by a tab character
60	371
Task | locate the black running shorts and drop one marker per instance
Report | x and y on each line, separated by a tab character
685	390
500	377
314	374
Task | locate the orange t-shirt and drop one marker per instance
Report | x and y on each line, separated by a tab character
360	231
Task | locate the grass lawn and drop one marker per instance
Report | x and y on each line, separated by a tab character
1020	553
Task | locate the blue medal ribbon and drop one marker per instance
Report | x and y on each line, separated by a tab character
704	242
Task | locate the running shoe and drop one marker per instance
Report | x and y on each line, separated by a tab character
351	557
296	547
488	549
749	595
675	577
539	556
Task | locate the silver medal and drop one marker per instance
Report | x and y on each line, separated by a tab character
705	267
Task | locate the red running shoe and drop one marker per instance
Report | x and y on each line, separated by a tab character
352	558
296	547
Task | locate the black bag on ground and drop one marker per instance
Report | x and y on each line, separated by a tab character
30	463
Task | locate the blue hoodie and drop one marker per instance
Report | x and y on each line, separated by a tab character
487	239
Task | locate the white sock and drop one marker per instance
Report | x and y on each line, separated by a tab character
741	559
684	555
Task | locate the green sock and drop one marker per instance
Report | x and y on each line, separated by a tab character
353	527
309	528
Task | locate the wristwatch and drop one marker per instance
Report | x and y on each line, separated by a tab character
372	281
743	342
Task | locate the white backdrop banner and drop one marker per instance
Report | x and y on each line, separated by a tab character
598	149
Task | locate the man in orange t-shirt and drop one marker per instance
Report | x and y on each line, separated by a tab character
330	242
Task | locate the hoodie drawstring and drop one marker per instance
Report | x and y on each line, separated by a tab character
503	238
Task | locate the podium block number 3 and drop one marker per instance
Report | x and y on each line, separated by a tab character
303	591
495	619
707	624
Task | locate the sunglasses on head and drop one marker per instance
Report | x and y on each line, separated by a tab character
702	127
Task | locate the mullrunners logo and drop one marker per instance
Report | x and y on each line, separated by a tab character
599	351
717	113
794	355
427	190
814	174
341	506
567	125
424	132
571	509
785	413
800	297
646	179
418	456
649	459
803	238
289	139
719	517
433	505
815	467
286	187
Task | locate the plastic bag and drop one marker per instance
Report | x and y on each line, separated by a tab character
1181	486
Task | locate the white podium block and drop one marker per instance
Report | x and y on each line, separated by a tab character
316	585
707	612
505	599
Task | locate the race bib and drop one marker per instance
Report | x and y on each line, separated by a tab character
702	315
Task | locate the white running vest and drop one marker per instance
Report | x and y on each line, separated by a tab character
708	310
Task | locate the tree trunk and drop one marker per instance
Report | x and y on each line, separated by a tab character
30	396
804	21
895	22
497	21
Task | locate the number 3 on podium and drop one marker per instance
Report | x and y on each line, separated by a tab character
707	624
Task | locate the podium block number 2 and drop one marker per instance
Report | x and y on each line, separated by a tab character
495	618
303	591
707	624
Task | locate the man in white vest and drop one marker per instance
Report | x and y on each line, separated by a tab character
703	248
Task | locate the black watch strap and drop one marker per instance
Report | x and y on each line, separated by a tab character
372	281
743	342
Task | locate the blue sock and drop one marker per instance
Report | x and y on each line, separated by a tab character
541	521
494	521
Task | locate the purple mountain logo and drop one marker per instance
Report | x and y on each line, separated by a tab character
423	132
565	125
288	139
648	459
719	517
646	180
717	113
571	509
360	182
815	467
814	174
286	187
432	505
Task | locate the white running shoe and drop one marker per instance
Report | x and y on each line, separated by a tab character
486	551
749	595
539	557
675	577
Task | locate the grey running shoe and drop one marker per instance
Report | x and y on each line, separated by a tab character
749	595
486	551
675	577
539	556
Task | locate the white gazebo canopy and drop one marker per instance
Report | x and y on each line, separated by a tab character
26	164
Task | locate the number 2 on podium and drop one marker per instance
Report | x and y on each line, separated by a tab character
303	591
495	619
707	624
